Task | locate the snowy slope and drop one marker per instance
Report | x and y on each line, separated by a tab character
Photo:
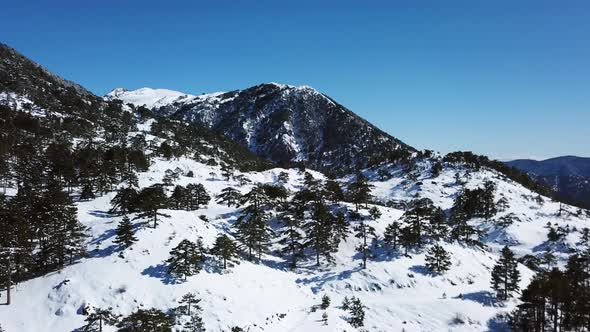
148	97
398	292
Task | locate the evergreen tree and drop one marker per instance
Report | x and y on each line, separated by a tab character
283	177
291	233
125	235
178	199
124	201
87	194
229	196
365	233
99	318
357	313
226	171
319	231
438	260
359	191
226	250
420	211
189	303
186	259
437	229
392	235
251	226
341	227
333	192
198	196
325	302
505	275
149	201
150	320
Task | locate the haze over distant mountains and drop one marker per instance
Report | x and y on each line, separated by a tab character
569	176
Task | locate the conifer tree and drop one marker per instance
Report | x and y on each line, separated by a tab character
333	192
283	177
189	303
149	201
186	259
124	201
319	231
325	302
197	195
291	233
392	235
144	320
87	194
99	318
438	260
359	191
178	199
226	250
505	275
125	235
251	226
420	210
365	233
437	229
226	171
357	313
229	196
341	227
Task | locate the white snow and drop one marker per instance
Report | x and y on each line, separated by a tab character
398	292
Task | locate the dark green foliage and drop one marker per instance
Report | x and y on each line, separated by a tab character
125	201
392	235
291	235
226	251
125	234
366	233
325	302
100	318
283	177
420	213
357	313
186	259
252	230
505	275
438	260
229	196
149	201
436	169
557	300
333	192
150	320
359	191
191	197
320	236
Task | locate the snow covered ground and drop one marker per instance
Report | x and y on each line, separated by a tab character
398	292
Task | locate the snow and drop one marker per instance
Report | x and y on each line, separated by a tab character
399	293
148	97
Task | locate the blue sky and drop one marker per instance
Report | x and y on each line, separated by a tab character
507	79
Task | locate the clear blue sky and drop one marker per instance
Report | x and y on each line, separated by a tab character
503	78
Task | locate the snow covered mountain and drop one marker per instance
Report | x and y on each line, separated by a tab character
283	123
41	116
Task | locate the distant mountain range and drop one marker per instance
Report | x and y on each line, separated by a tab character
568	176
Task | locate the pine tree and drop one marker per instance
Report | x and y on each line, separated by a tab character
189	303
251	226
437	229
226	250
420	210
178	199
505	275
359	191
125	235
197	195
142	320
333	191
291	233
392	235
319	231
345	303
149	201
186	259
438	260
341	227
229	196
124	201
283	177
365	233
357	313
99	318
87	193
325	302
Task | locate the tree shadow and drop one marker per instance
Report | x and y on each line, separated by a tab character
160	271
498	324
100	214
321	280
484	298
423	270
